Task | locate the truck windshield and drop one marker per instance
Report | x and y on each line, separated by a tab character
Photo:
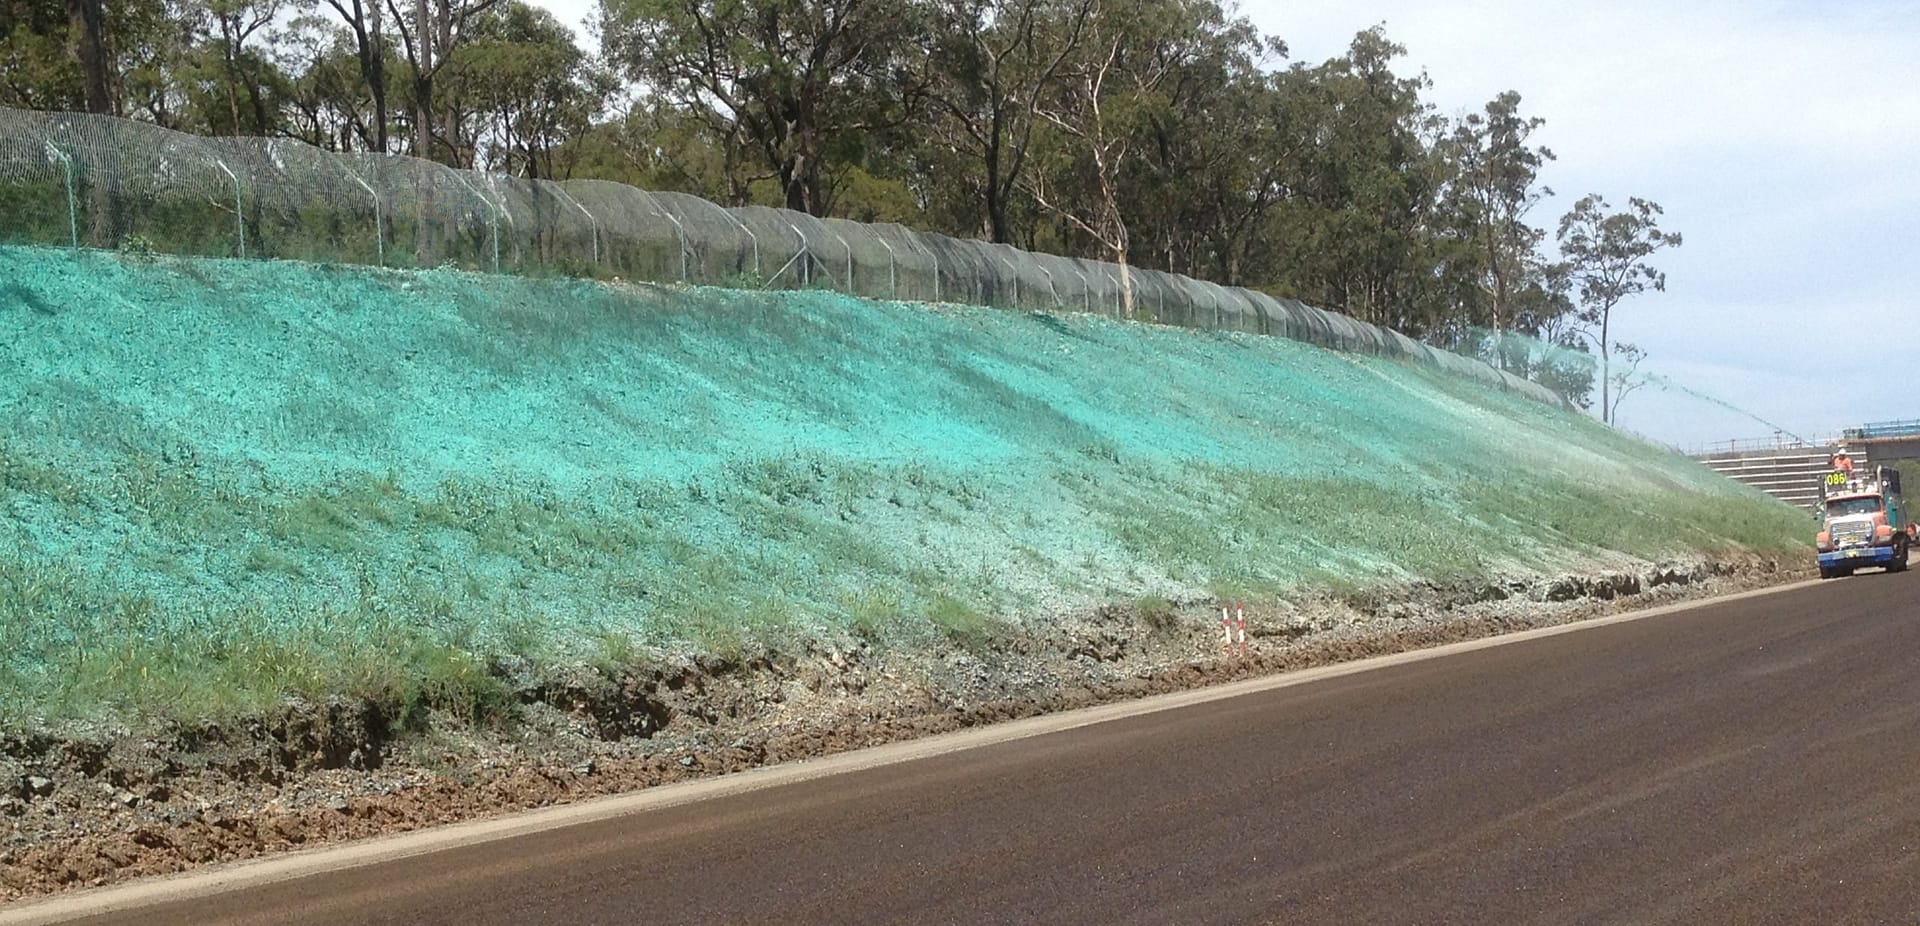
1842	507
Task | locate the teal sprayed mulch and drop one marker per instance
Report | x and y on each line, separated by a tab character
225	480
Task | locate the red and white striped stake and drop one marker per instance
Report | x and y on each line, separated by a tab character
1233	627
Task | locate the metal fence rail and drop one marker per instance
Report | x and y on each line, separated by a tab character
80	180
1815	444
1873	430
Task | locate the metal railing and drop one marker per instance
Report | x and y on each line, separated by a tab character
1780	441
1882	430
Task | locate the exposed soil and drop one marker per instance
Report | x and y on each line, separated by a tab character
86	809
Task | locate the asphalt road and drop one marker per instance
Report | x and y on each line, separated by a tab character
1750	762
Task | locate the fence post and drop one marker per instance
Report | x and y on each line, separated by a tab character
805	257
936	276
379	242
1016	281
893	275
499	209
492	210
494	231
1057	301
590	218
680	231
796	258
755	239
239	208
849	247
73	209
1086	291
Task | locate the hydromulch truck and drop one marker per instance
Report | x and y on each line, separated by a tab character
1862	522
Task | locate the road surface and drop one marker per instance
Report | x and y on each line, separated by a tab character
1756	761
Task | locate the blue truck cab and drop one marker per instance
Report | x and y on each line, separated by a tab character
1862	522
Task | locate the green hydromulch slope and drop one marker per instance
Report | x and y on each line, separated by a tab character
223	481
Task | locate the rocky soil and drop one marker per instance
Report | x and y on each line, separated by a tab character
87	808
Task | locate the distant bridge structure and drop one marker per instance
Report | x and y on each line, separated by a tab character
1789	468
1886	440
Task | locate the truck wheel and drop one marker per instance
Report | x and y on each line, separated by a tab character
1900	555
1826	573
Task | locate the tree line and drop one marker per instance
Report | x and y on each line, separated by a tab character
1164	134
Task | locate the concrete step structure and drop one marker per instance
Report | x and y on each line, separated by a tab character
1790	473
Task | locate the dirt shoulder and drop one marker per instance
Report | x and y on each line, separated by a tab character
88	808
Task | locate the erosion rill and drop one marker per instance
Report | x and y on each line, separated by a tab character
266	519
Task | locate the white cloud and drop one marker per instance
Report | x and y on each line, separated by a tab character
1779	137
1643	81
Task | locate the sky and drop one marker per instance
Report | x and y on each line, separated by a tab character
1781	138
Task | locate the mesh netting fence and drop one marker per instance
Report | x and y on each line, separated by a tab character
94	181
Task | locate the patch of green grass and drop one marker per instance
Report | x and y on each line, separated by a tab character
1157	613
437	677
319	521
784	481
728	631
26	476
1269	532
962	623
370	500
266	559
872	614
614	650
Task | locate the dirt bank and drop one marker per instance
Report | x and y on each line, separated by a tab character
83	808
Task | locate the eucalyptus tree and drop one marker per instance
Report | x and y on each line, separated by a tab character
366	26
326	102
39	68
801	87
654	144
89	36
230	81
990	64
1208	158
1359	226
1496	186
1607	257
431	33
1131	68
86	55
517	89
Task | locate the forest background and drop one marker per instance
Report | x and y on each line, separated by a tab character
1164	134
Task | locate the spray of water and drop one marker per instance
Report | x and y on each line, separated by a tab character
1668	385
1576	373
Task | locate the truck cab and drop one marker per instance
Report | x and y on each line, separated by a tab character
1862	522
